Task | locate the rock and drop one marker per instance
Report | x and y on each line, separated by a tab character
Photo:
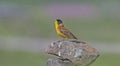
58	62
77	52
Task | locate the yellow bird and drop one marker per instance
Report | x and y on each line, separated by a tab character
62	31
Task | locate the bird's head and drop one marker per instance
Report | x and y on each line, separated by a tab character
59	21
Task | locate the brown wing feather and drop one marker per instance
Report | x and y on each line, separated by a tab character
67	33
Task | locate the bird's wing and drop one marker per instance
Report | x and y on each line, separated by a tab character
67	33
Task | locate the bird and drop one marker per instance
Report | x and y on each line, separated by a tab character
62	31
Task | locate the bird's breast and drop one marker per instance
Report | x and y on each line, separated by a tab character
60	33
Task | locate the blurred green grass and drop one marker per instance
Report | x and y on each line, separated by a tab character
38	2
13	58
9	58
95	30
107	59
37	22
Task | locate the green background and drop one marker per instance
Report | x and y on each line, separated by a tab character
35	22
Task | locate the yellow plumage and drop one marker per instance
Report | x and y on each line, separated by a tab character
58	31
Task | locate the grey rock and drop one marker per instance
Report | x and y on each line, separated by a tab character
58	62
77	52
